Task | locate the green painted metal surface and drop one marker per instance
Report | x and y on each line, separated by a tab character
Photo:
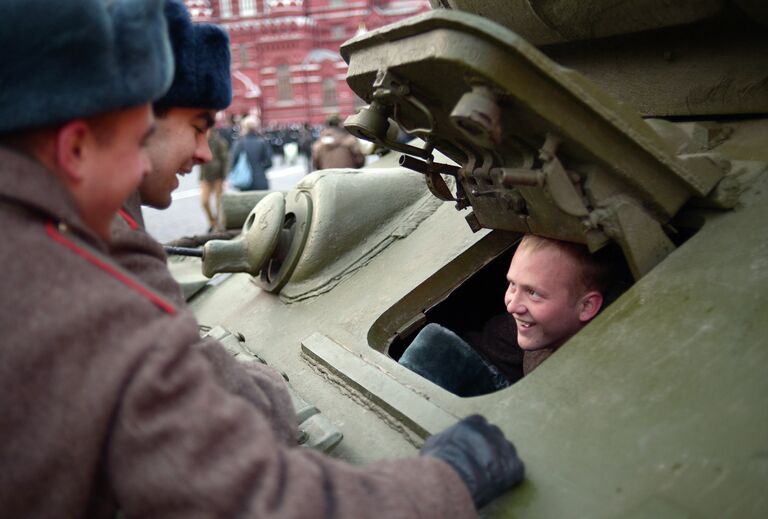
658	408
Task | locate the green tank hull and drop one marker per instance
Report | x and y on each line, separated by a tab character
657	408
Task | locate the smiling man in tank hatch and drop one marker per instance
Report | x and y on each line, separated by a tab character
554	289
551	293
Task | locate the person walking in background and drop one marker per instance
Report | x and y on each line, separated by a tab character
212	176
257	151
336	148
305	140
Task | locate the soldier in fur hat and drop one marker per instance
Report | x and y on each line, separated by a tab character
184	114
108	403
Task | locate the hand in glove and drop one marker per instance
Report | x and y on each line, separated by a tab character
486	461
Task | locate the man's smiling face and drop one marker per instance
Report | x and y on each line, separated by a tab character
178	143
543	297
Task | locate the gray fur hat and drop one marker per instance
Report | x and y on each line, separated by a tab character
201	54
77	58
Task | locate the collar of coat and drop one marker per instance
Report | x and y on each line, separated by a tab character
26	182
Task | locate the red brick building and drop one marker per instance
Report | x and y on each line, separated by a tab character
285	53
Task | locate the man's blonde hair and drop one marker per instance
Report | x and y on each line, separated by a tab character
595	272
250	124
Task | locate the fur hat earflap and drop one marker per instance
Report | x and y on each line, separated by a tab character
201	54
77	58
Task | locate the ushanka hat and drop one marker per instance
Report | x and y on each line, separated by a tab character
201	54
68	59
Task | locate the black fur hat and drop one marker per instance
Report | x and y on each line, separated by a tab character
201	55
77	58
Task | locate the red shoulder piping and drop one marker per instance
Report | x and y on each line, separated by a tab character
54	233
130	221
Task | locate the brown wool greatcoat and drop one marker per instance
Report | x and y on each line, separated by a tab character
336	148
107	401
136	251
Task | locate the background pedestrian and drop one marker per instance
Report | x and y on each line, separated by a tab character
336	148
212	176
258	154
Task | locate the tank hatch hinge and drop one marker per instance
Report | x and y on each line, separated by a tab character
640	237
433	172
391	101
477	115
620	217
552	177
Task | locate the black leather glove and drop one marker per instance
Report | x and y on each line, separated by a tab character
482	456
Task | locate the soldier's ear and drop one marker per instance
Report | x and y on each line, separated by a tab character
73	149
589	305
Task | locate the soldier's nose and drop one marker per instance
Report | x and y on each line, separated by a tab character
146	164
204	153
